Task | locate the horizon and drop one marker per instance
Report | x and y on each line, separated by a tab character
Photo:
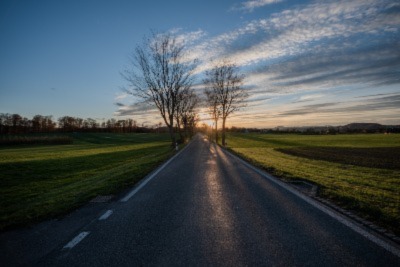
102	124
307	63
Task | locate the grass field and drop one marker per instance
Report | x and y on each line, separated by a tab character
358	172
41	181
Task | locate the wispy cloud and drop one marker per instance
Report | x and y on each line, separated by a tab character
375	64
140	109
188	38
253	4
318	37
375	104
121	96
377	109
308	98
310	47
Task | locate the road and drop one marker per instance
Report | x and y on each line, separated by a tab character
208	208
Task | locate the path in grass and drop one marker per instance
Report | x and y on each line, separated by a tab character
38	182
359	172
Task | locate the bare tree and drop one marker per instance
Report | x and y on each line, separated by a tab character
186	111
159	74
213	105
42	123
224	91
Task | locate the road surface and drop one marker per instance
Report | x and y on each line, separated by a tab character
206	208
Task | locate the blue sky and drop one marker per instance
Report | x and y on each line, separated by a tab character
306	62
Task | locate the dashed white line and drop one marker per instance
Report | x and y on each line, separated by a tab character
76	240
106	215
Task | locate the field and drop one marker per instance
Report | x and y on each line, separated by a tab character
358	172
41	181
33	139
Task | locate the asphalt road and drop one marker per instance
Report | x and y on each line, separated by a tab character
207	208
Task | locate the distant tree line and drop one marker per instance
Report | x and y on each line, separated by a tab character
353	128
17	124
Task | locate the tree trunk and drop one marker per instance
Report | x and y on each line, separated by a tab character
216	131
186	132
185	128
178	125
223	131
171	131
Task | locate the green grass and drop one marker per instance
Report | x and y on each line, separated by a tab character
34	139
359	172
38	182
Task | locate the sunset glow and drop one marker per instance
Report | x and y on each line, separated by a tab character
305	62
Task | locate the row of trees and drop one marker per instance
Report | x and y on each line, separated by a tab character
16	124
73	124
162	75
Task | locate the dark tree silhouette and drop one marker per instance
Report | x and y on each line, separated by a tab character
159	74
213	106
186	112
42	124
224	92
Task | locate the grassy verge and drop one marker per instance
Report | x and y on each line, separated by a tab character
358	172
38	182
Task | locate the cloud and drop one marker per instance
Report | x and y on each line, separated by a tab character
250	5
187	38
121	96
141	109
381	103
375	104
316	46
321	45
374	64
316	29
309	109
309	98
382	108
374	95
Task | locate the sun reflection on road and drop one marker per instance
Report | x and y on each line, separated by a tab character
225	240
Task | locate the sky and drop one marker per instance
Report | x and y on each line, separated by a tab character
306	63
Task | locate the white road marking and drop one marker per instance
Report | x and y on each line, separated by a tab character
148	179
76	240
375	239
106	215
